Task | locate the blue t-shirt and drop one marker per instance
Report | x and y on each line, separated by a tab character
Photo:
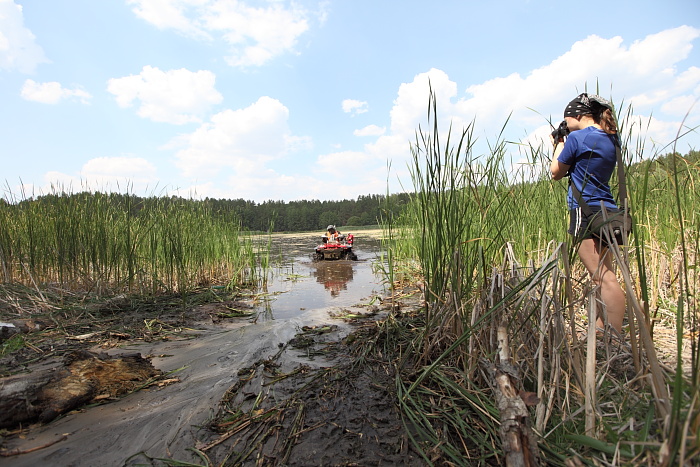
591	154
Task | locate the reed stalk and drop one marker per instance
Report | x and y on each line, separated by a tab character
114	243
486	240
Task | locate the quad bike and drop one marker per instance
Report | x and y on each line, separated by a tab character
341	249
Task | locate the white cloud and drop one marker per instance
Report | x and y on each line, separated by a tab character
121	173
489	105
370	130
547	89
119	168
18	48
52	92
661	51
272	185
174	96
354	106
238	141
172	14
681	106
254	35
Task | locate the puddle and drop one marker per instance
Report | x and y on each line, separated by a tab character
299	284
163	423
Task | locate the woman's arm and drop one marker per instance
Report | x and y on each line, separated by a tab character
558	169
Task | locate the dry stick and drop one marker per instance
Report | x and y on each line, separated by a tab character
43	299
686	430
661	397
517	439
473	359
560	337
575	357
543	410
5	274
636	355
17	452
590	386
540	410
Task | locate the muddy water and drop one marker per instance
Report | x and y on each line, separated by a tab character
297	283
164	422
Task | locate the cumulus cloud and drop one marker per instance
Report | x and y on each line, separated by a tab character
254	35
120	173
240	141
18	48
243	154
526	102
354	106
174	96
180	15
547	89
52	92
119	168
370	130
623	71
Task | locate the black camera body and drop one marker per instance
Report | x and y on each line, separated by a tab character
561	132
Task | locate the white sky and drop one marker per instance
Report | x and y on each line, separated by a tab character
313	99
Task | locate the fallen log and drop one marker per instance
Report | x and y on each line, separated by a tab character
518	441
83	377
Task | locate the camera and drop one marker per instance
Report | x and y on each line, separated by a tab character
561	132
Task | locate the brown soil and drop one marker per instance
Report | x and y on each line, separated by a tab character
284	394
298	415
302	399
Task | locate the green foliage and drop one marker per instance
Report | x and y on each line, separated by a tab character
304	215
98	242
11	345
471	222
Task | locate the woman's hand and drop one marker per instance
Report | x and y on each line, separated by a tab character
557	169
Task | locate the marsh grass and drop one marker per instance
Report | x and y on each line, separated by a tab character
113	243
490	247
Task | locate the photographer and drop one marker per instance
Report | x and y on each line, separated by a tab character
585	150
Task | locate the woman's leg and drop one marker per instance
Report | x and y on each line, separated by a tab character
598	262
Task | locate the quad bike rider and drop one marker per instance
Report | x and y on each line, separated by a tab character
332	234
335	246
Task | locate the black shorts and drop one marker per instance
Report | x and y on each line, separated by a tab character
578	223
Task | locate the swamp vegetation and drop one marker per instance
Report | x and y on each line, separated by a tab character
505	298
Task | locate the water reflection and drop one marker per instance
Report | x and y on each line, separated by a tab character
334	275
299	284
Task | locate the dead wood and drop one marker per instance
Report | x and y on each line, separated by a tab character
518	441
83	377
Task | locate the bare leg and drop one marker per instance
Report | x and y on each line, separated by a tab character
598	262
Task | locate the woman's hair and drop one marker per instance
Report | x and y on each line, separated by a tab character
606	120
598	108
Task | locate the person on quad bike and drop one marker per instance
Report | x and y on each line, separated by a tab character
332	235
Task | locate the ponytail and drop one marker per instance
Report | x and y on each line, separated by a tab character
606	120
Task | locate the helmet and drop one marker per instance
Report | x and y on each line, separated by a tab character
330	227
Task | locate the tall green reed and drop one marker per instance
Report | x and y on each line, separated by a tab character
120	242
467	207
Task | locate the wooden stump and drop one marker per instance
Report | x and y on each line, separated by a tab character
83	378
518	440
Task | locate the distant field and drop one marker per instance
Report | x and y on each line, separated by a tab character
361	231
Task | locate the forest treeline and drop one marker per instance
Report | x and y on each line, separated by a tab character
277	216
304	215
294	216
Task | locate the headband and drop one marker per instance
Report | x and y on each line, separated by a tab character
585	104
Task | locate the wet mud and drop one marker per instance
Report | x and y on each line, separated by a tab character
323	408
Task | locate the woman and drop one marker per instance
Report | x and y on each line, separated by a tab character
588	156
332	235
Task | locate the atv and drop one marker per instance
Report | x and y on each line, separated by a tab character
341	249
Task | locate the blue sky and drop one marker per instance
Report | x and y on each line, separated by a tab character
313	99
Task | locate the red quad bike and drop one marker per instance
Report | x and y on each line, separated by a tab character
342	249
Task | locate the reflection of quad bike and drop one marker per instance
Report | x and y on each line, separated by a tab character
341	249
